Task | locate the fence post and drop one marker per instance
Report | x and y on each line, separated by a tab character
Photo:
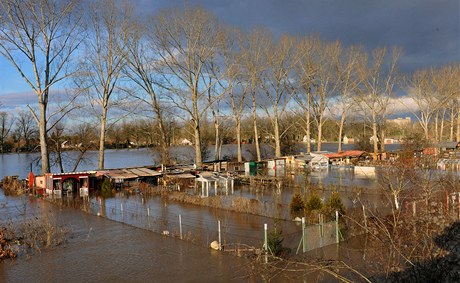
365	219
320	225
304	235
265	242
337	227
180	226
220	245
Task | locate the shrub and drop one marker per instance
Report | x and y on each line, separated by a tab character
106	188
314	203
275	242
335	203
297	205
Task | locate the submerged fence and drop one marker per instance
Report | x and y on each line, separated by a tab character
205	229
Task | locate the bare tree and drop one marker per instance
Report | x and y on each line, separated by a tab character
378	79
109	34
325	82
83	139
142	69
446	86
26	127
231	70
433	91
305	72
186	42
58	140
275	82
5	128
420	90
348	81
43	33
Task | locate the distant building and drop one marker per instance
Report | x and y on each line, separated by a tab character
347	140
305	139
185	141
401	122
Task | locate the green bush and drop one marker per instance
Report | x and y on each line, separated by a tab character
275	242
314	203
335	203
107	188
297	205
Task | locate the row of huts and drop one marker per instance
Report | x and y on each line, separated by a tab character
221	173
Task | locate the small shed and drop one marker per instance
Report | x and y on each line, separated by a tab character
347	157
73	182
320	160
124	177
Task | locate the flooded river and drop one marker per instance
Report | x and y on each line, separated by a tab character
120	238
102	250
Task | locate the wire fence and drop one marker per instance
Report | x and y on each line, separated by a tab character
204	229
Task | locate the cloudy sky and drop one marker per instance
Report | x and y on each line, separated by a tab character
428	31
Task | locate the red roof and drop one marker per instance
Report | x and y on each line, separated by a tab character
348	153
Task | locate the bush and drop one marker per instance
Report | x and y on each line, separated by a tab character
106	188
334	203
275	242
297	205
314	203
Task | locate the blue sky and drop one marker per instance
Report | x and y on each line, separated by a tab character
428	31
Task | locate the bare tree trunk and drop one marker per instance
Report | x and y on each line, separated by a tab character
320	134
197	134
102	138
59	156
238	139
277	136
458	125
374	132
308	132
382	142
163	140
217	138
254	121
42	125
441	130
342	123
436	126
308	122
452	118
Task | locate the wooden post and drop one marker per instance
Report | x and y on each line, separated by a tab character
337	240
304	236
266	243
220	244
180	226
365	219
320	230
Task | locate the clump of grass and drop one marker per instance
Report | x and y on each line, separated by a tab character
12	186
30	237
6	250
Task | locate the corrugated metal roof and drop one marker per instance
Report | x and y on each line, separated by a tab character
130	173
144	172
447	144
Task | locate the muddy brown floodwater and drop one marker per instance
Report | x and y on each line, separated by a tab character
102	250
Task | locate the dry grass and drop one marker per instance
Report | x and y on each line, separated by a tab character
30	237
12	186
